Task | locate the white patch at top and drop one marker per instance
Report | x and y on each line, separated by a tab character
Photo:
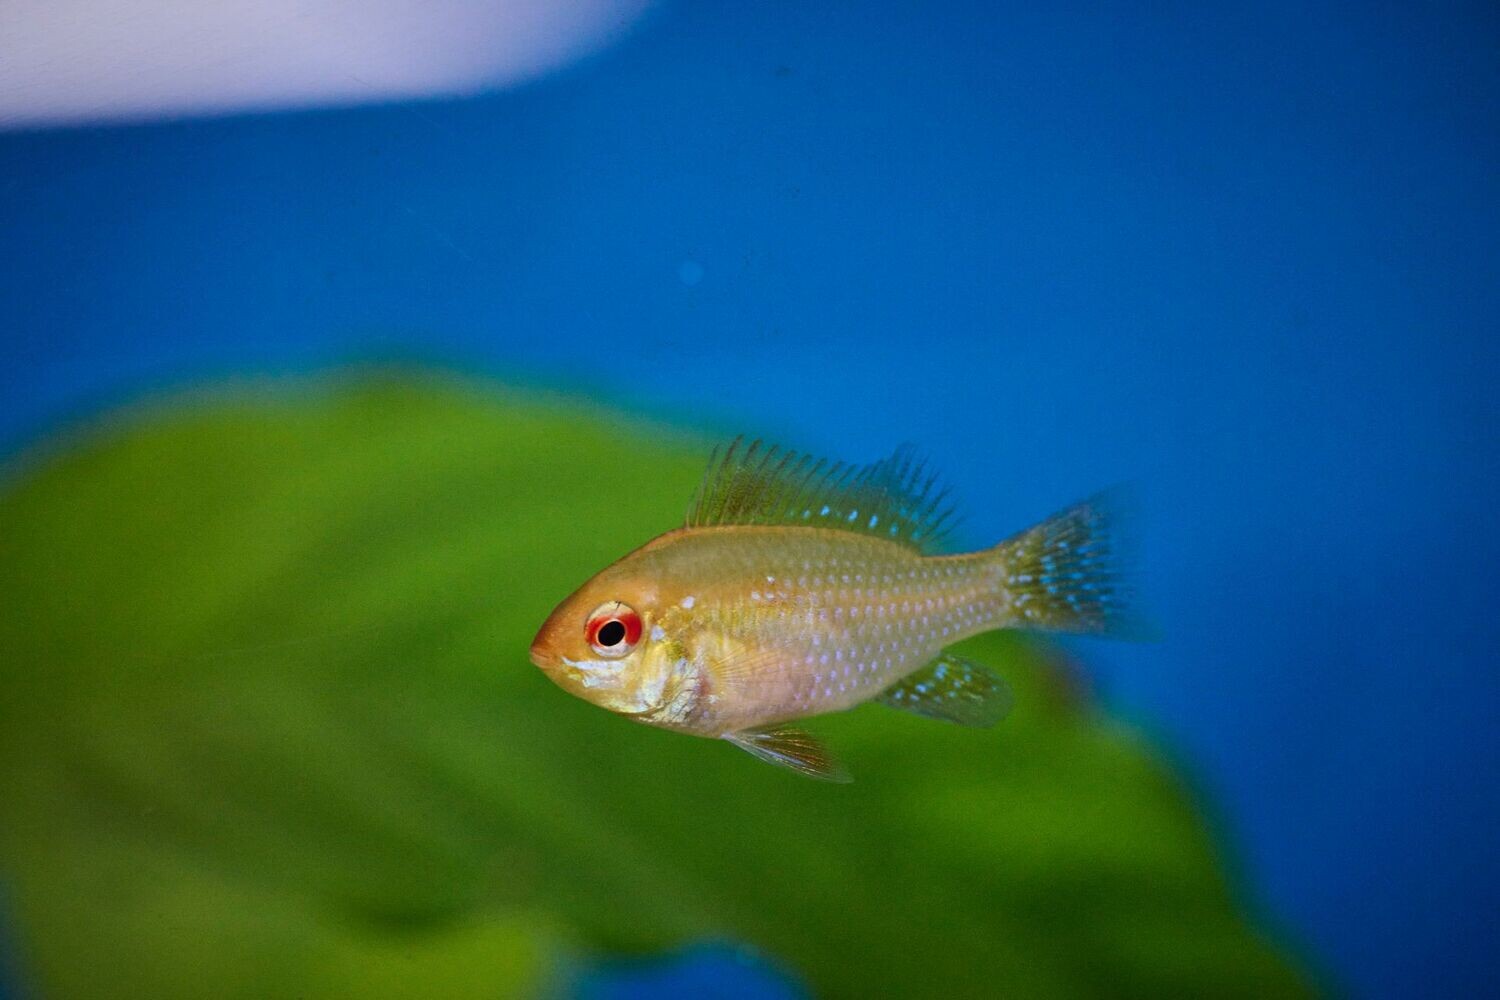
77	61
689	601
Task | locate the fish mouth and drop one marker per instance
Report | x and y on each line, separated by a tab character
559	669
543	659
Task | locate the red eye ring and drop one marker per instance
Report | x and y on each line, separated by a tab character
613	629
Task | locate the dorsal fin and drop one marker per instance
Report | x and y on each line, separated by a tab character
951	689
894	498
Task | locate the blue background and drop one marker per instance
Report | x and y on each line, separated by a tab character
1248	259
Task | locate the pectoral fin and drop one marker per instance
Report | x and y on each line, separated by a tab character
953	690
791	748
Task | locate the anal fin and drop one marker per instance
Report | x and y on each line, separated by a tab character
954	690
791	748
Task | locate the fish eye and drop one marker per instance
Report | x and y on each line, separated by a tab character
613	629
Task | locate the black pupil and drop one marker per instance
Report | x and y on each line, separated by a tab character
611	633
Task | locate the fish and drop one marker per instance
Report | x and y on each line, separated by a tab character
797	587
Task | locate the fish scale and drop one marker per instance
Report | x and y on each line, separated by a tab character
799	587
851	615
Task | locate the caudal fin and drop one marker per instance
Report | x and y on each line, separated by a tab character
1071	573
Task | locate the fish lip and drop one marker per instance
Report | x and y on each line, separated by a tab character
544	660
556	668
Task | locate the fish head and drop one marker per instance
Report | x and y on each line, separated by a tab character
606	644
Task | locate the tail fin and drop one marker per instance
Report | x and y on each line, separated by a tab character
1070	573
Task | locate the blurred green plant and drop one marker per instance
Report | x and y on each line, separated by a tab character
268	729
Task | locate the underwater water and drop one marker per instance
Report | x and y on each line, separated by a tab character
1247	261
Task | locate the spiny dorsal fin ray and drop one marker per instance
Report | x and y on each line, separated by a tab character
895	498
954	690
793	749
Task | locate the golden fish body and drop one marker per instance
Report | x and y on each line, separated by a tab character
798	590
750	625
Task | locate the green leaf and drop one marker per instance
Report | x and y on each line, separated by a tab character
269	728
